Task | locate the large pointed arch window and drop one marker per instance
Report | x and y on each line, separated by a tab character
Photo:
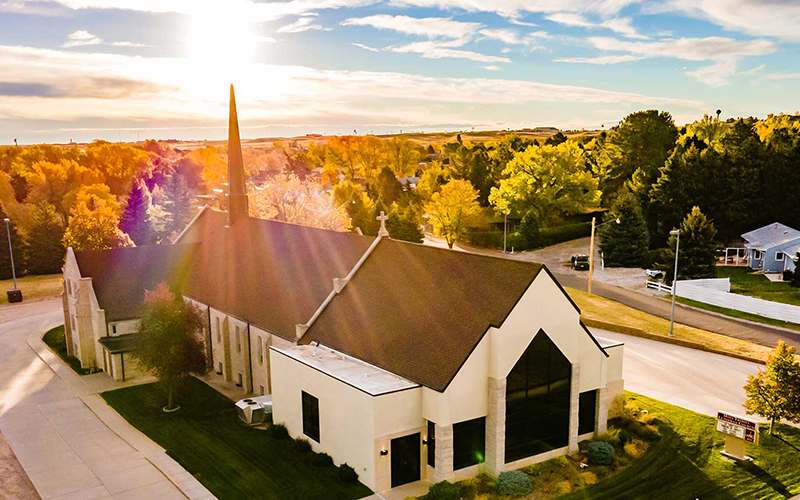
537	400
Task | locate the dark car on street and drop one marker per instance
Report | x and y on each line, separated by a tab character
579	262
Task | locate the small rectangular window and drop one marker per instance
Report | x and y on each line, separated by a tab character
779	256
241	380
238	340
220	367
431	444
260	352
261	389
469	442
310	416
113	328
587	412
219	331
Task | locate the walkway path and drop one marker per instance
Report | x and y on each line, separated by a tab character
69	442
554	258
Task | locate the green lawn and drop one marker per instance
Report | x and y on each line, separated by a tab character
57	342
745	282
738	314
232	460
33	287
686	464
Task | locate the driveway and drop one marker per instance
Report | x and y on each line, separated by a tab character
69	442
696	380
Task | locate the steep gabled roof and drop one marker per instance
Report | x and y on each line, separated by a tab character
120	276
271	274
419	311
770	236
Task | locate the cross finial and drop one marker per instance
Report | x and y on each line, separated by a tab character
383	217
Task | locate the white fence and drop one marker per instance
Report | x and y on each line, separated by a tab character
718	284
713	293
657	285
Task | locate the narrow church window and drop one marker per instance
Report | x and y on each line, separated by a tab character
219	331
238	340
587	412
260	352
261	389
241	380
310	416
431	444
113	328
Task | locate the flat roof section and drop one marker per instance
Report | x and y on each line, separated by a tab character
356	373
606	343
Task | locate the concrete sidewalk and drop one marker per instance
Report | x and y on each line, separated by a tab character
69	441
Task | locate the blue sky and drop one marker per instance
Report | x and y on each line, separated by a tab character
129	69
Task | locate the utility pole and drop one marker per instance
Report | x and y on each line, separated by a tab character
677	234
11	252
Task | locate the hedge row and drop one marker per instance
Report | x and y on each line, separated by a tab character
547	236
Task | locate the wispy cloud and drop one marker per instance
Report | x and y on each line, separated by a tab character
441	50
621	25
431	27
82	38
513	8
601	60
512	37
491	68
366	47
305	22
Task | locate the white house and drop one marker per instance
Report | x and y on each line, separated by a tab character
405	361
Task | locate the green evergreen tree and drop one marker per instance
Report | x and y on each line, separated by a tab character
698	250
135	219
46	240
624	244
529	229
404	225
388	187
19	247
178	204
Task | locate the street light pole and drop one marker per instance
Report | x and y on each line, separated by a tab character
505	228
11	252
677	234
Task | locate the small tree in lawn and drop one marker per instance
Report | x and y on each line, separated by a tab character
625	244
775	392
698	250
169	343
454	209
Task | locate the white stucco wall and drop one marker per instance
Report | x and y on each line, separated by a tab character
123	327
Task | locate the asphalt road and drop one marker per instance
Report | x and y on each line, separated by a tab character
696	380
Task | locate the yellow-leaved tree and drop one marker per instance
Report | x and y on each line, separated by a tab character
454	209
94	221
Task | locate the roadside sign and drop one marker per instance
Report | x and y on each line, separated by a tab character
738	431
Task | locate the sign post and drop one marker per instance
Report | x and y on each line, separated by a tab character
739	431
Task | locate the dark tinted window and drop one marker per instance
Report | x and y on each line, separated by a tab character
587	412
311	416
537	400
469	442
431	444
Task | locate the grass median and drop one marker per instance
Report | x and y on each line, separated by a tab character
601	309
33	288
56	340
228	457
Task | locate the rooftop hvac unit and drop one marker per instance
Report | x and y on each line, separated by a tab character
255	411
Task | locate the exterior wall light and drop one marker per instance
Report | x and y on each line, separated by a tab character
384	452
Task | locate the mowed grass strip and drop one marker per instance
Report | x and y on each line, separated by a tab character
56	340
686	463
745	281
231	459
598	308
33	288
738	314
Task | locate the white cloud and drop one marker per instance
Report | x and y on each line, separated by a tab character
441	50
568	19
82	38
366	47
512	37
513	8
602	60
773	18
491	68
431	27
723	52
781	76
303	23
621	25
522	23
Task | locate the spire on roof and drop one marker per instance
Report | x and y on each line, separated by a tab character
237	193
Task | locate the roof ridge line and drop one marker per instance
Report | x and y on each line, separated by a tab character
338	286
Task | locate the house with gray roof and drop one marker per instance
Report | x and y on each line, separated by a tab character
772	248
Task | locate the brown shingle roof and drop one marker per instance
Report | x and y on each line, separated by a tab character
271	274
121	275
419	311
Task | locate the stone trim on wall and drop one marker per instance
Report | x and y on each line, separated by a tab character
496	427
574	401
444	454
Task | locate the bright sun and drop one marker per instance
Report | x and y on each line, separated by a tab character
221	46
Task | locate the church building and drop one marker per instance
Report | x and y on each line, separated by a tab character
408	362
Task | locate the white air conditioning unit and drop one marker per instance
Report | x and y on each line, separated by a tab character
256	410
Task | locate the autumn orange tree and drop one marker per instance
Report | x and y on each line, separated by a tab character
94	223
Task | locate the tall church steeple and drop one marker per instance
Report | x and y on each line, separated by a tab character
237	193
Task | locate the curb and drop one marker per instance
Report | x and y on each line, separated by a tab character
636	332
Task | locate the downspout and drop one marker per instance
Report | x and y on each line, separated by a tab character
250	356
338	286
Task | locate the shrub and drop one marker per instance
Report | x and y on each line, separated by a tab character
486	239
589	478
277	431
444	490
516	242
529	229
611	436
554	235
302	445
601	453
347	474
321	460
468	491
514	483
563	487
659	258
635	448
